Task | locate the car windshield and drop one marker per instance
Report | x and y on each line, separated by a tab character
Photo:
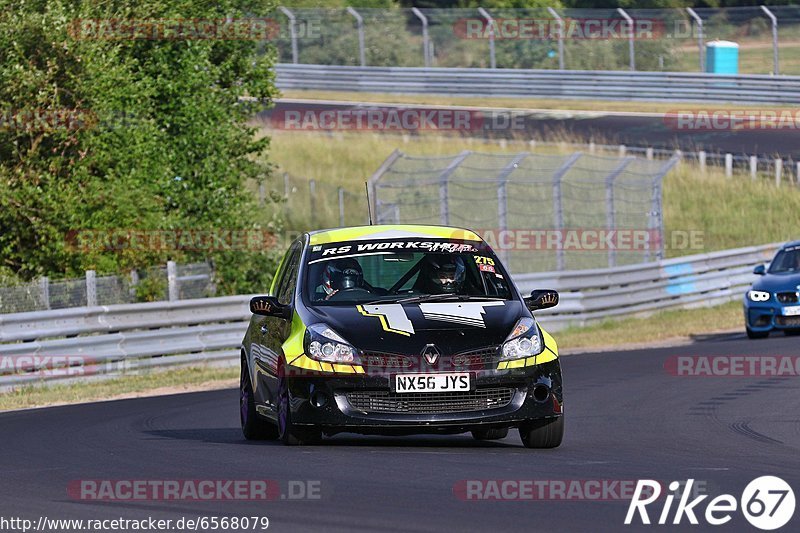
400	270
787	260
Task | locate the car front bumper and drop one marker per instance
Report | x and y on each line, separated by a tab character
365	403
767	316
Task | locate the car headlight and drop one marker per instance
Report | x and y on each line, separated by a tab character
758	296
323	344
523	341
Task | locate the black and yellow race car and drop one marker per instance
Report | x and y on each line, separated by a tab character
398	329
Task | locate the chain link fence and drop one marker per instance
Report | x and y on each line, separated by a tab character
161	283
542	38
539	212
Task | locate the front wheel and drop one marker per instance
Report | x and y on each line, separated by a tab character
545	433
253	426
289	433
757	334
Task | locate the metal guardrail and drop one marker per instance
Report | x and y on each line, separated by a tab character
113	340
692	281
573	84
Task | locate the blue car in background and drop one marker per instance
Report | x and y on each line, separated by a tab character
773	302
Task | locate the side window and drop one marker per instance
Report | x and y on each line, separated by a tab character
288	280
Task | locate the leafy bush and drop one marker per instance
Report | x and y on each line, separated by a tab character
160	140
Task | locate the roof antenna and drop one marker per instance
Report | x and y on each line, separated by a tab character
369	203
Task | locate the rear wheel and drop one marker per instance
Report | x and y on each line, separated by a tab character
289	433
757	334
253	426
490	434
545	433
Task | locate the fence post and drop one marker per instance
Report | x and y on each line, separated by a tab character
426	46
444	208
558	18
134	283
631	38
91	288
172	281
622	150
502	202
778	172
360	24
797	174
341	207
592	147
312	201
292	32
699	22
262	193
558	209
753	167
286	188
774	20
649	153
728	165
44	288
610	214
701	158
489	20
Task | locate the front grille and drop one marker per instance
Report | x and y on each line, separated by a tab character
791	321
787	297
430	402
469	360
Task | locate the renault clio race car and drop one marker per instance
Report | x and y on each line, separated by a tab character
398	330
773	301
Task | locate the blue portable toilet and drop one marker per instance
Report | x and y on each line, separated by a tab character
722	57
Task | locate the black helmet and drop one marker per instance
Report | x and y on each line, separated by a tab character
444	274
342	274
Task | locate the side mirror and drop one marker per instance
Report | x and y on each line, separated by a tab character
269	306
541	299
760	270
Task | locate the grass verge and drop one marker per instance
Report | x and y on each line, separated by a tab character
726	212
660	326
149	383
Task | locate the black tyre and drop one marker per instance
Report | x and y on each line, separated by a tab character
288	433
545	433
757	334
253	426
490	434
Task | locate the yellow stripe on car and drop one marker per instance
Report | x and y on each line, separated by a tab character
361	232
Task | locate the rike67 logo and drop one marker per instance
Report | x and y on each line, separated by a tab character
767	503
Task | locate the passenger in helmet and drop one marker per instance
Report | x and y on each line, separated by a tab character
443	274
341	275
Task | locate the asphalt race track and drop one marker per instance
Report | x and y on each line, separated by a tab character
632	129
628	418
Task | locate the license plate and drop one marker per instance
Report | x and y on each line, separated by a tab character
791	311
450	382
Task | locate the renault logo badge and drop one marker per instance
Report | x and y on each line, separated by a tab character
431	354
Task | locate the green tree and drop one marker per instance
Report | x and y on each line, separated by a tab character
161	140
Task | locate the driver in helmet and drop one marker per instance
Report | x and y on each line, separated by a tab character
443	274
341	275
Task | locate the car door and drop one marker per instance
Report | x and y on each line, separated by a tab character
272	332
